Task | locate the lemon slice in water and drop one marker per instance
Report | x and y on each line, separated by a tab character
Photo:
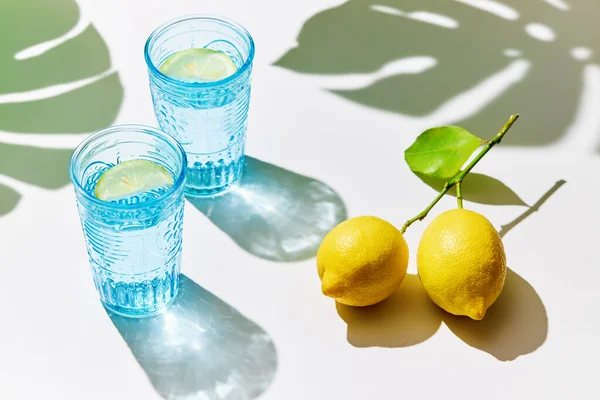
130	177
198	65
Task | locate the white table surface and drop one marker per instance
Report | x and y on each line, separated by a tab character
253	322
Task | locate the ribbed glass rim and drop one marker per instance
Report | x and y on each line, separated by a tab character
198	85
177	184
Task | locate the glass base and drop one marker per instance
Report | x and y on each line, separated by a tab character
138	299
207	192
210	180
141	312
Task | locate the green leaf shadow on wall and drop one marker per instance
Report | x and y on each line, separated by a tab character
37	51
361	36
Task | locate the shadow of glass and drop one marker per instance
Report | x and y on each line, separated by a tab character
515	325
479	188
408	317
201	348
389	30
274	213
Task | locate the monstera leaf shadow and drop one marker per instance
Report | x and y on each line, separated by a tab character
201	347
8	199
470	46
53	81
274	213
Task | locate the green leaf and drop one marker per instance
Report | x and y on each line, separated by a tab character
441	152
479	188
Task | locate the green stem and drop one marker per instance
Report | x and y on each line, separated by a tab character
497	139
459	177
426	211
459	196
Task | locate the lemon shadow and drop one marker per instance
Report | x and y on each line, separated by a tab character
408	317
201	347
274	213
515	325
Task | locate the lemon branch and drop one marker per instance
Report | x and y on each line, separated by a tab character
459	197
458	178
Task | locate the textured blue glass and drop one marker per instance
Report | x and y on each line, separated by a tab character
209	119
133	244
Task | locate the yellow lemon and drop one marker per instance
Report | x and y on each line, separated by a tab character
461	263
362	261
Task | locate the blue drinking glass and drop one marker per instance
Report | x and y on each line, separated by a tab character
133	244
208	118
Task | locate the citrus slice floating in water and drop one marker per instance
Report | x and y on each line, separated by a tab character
130	177
198	65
